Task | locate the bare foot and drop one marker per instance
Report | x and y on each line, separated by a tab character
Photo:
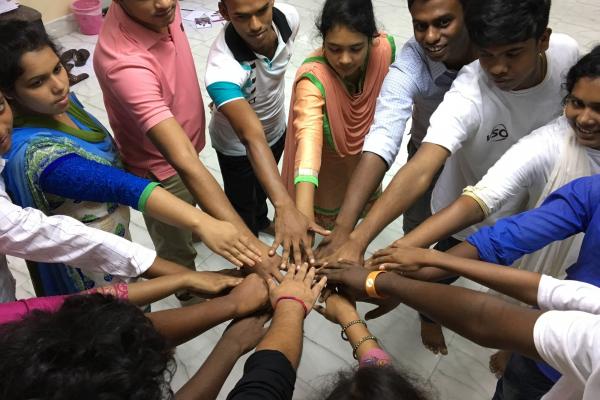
269	230
433	337
498	362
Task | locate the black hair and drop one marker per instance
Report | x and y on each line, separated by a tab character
381	383
357	15
464	3
502	22
93	347
588	66
16	39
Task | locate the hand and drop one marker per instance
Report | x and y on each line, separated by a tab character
331	243
399	257
297	283
225	239
246	332
249	296
338	309
350	275
269	267
349	251
294	231
209	282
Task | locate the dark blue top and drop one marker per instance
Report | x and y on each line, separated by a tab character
572	209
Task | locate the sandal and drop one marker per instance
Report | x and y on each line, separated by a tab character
75	79
80	57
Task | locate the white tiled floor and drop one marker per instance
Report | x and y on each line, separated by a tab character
463	374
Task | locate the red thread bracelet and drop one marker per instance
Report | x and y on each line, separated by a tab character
295	299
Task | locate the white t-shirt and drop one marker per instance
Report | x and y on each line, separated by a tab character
526	166
235	72
568	337
477	122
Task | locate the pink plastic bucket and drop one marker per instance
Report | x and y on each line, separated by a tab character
88	14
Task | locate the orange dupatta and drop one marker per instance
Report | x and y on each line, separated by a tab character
346	117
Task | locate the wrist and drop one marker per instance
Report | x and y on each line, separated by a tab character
282	202
358	240
291	307
347	317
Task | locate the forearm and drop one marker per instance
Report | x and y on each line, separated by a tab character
265	169
182	324
171	210
209	379
519	284
479	317
149	291
406	187
161	267
461	214
305	199
285	332
365	179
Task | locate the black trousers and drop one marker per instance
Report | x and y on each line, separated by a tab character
243	189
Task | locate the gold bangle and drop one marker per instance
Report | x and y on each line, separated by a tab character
361	341
349	324
370	285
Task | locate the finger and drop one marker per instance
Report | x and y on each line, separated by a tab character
291	272
307	247
392	267
325	294
277	275
310	276
301	272
297	253
276	243
384	258
271	283
318	229
244	258
229	257
255	250
286	253
318	288
247	252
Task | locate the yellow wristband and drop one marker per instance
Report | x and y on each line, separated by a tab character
370	285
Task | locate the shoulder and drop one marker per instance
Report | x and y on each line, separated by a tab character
563	49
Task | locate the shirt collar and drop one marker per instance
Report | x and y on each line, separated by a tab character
144	36
2	164
439	70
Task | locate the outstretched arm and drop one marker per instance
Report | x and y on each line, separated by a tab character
292	228
182	324
482	318
408	185
172	142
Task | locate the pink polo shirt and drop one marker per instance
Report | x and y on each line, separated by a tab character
147	77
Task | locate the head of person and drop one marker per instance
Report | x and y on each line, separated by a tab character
252	20
582	104
440	29
381	383
93	347
6	121
347	28
155	15
511	37
32	77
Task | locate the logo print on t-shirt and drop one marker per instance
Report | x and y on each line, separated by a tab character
499	133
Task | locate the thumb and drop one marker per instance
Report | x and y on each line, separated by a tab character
318	229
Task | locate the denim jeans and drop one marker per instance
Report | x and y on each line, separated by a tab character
522	380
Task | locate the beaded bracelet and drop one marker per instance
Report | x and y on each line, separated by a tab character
296	300
361	341
348	325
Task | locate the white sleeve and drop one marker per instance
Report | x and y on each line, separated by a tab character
30	234
557	294
454	122
570	342
527	161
